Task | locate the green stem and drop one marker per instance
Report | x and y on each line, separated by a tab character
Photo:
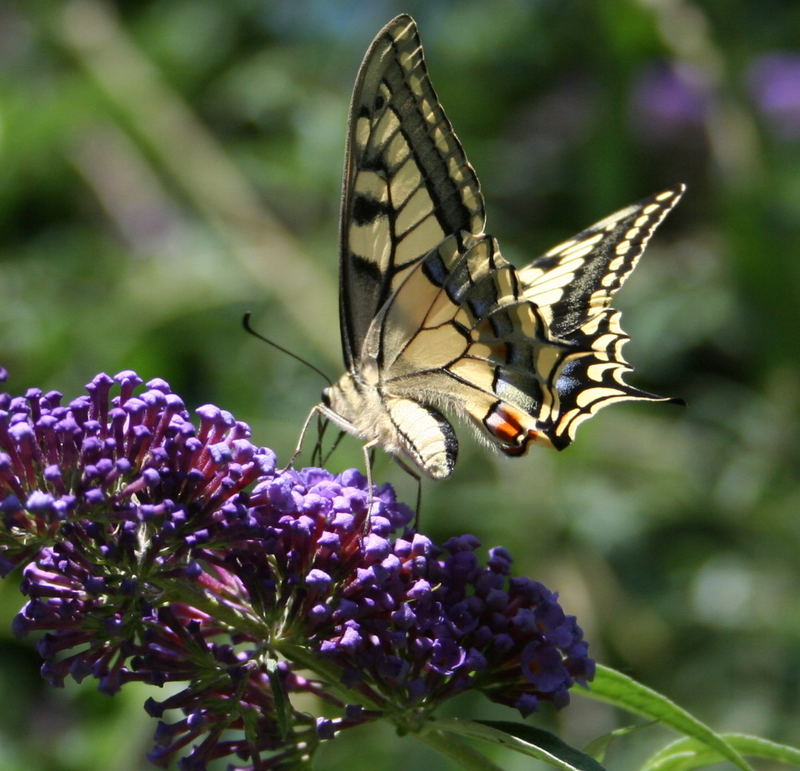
208	604
297	654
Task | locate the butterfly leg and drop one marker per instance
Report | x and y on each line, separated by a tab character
316	454
369	454
418	504
317	410
333	448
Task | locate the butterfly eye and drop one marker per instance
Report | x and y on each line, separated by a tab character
326	397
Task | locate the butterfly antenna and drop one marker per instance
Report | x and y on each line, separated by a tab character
246	324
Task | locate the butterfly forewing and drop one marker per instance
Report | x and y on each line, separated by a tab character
433	318
407	183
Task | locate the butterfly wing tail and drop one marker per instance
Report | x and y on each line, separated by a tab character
592	377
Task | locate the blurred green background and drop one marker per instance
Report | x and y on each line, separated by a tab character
168	165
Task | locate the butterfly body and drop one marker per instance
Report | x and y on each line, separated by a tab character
434	320
404	428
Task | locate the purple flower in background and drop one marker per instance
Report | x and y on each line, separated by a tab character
774	84
158	549
669	100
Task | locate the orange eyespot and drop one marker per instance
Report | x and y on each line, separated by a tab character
507	424
503	424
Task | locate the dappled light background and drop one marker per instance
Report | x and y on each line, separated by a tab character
169	165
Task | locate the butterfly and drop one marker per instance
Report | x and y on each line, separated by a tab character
433	319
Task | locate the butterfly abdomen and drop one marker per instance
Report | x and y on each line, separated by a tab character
404	428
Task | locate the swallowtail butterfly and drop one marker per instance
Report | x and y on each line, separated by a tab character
433	319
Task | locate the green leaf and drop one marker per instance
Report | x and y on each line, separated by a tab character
624	692
686	753
467	757
524	739
598	747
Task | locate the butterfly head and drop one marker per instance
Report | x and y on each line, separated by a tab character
347	404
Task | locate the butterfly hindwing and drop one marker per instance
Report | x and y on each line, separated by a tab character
457	334
593	380
578	278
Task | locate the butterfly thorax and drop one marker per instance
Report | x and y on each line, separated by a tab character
409	431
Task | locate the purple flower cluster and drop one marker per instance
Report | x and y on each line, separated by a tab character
415	625
160	551
135	459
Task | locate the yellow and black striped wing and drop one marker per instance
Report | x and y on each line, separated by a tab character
433	319
572	285
407	183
